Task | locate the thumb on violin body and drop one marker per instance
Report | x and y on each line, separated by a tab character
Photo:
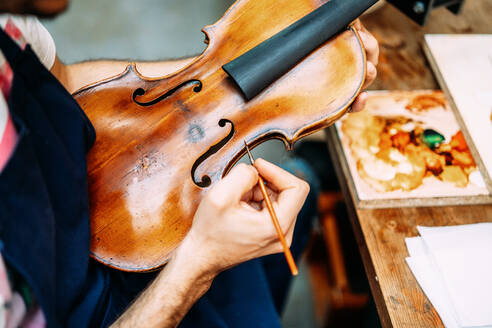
240	180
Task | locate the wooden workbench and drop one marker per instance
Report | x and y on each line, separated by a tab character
381	233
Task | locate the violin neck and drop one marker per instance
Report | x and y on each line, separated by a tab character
261	66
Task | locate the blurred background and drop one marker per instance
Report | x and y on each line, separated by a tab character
136	30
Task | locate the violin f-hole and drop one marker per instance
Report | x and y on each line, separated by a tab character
140	92
205	180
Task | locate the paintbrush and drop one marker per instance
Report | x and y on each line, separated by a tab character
268	202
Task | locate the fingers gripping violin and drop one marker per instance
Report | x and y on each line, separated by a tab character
272	69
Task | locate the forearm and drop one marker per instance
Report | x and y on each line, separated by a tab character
78	75
170	296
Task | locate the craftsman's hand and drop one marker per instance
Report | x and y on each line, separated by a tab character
232	225
372	52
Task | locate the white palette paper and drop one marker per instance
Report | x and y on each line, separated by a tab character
453	266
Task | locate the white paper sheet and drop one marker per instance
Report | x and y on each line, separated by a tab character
453	265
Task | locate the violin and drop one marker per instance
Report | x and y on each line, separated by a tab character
273	69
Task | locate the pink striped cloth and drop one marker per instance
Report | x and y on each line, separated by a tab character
8	135
13	311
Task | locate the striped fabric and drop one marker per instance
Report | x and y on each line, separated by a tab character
13	309
8	135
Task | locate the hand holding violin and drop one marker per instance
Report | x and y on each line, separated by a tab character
372	52
232	224
163	143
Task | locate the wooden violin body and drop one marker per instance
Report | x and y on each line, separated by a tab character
159	139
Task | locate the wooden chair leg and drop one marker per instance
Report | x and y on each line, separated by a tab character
329	280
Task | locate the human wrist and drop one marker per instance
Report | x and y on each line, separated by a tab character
182	281
192	259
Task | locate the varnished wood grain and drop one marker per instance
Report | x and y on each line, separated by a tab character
381	233
142	194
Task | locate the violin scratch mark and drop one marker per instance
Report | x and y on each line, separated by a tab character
183	107
146	165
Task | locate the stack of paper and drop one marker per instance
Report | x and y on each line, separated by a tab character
453	265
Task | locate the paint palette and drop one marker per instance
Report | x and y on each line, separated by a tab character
406	149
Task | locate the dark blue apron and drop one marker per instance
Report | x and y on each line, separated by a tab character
44	221
44	216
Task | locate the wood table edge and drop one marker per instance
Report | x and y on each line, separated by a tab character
377	293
